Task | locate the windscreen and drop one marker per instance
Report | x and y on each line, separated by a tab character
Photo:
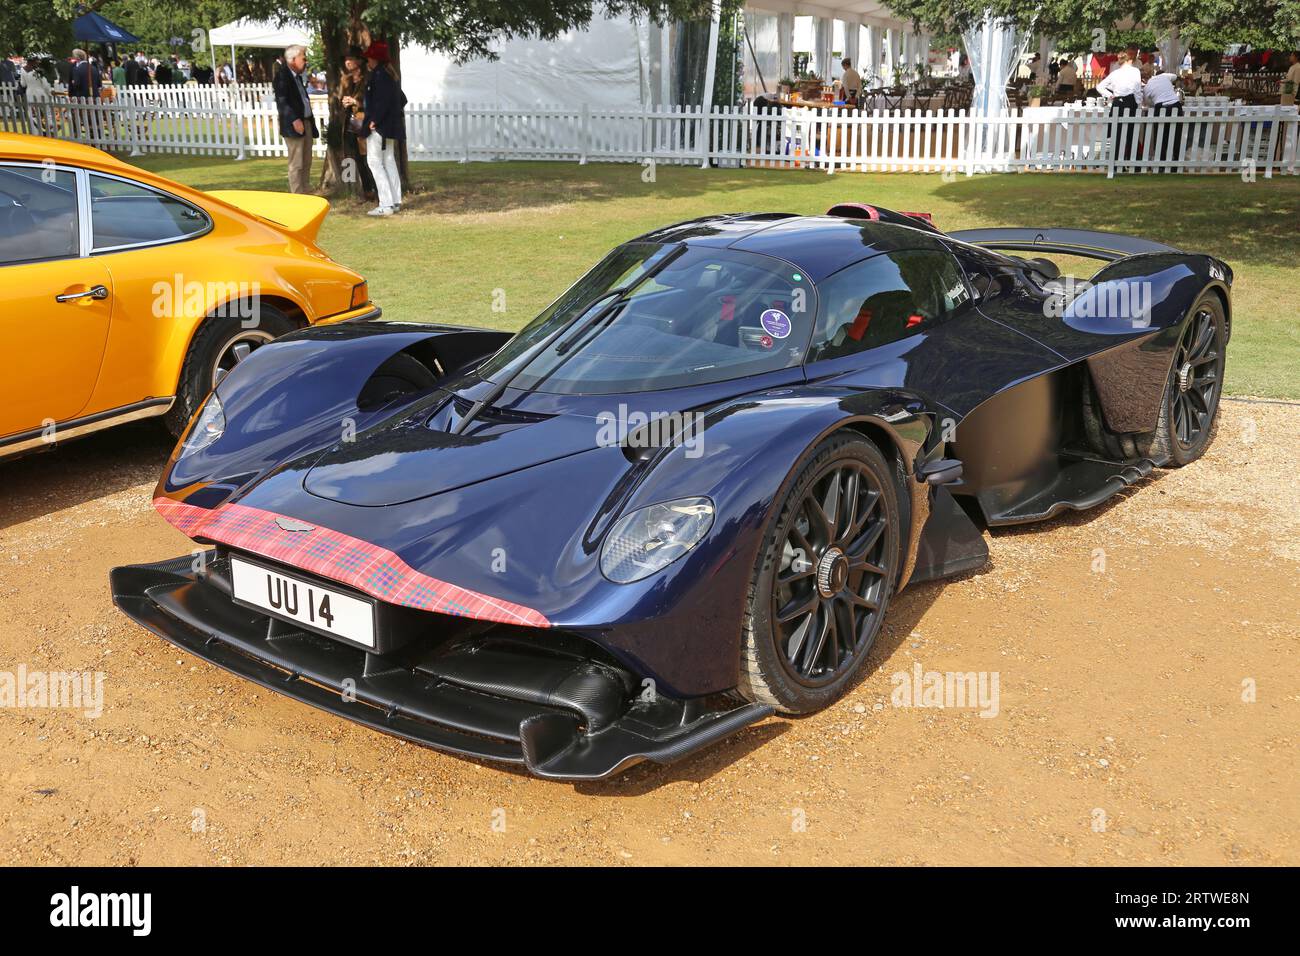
656	316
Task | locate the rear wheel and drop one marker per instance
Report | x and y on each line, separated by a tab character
221	343
1191	401
823	580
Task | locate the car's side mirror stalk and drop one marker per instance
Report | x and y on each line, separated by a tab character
942	471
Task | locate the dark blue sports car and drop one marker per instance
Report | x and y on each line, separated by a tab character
683	497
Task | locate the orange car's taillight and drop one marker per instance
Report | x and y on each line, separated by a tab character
360	294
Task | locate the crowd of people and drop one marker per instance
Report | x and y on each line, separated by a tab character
84	73
374	123
370	95
1126	88
1062	77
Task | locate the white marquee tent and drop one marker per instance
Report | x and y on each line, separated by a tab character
255	33
604	66
259	34
621	63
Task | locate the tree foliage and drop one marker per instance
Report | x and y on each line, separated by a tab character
45	26
1264	22
464	29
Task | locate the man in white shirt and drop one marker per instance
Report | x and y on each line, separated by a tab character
1123	83
1161	94
851	82
1161	90
1122	87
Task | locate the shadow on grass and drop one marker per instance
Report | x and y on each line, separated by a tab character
1247	223
1251	223
465	189
450	188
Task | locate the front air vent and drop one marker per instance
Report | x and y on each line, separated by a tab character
492	420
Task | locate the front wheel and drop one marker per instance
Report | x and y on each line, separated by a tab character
1191	401
823	579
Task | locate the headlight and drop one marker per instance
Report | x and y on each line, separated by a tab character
208	427
652	538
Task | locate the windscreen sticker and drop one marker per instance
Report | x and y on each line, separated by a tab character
776	323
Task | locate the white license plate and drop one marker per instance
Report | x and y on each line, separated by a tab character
303	602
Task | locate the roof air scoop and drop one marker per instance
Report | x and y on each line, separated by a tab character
854	210
860	210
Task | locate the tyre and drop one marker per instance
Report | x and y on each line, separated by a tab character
221	343
401	374
1191	402
823	578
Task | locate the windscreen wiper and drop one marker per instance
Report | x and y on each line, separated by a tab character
618	295
594	322
607	313
521	363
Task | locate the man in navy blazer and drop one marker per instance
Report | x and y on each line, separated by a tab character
85	80
297	124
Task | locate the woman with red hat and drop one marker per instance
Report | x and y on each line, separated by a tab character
384	101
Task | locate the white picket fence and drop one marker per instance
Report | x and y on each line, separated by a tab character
1214	135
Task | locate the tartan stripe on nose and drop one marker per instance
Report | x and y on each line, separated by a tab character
340	557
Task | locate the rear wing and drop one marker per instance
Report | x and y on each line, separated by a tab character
298	214
1107	246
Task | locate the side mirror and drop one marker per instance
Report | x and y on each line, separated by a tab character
942	471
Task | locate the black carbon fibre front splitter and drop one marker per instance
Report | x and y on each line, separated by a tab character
561	717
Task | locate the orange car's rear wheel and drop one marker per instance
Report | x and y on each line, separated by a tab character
221	343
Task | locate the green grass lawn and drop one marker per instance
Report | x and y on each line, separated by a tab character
474	236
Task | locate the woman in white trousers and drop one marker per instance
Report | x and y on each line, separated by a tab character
381	157
384	101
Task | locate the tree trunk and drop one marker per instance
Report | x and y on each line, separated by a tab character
334	44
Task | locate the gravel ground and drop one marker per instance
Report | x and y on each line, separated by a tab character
1128	644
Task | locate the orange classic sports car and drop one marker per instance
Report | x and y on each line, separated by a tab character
125	295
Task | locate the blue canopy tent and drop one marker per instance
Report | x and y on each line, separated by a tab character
93	28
